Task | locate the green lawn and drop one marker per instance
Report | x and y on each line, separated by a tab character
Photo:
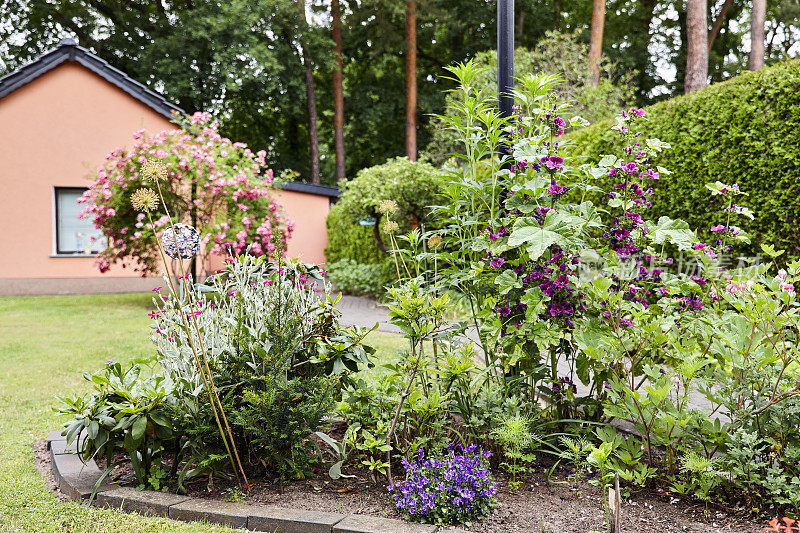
46	343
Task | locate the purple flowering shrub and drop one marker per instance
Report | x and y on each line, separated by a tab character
451	487
586	306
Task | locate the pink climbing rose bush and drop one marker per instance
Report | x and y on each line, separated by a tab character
232	203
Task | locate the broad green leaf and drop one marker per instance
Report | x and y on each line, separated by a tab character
556	230
608	161
677	232
137	430
507	280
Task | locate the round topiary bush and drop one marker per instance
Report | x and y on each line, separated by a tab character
413	185
348	239
745	130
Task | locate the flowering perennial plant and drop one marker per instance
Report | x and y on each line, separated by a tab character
221	184
455	486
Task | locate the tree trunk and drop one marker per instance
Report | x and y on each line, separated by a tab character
757	38
338	92
596	41
697	49
718	23
411	80
313	143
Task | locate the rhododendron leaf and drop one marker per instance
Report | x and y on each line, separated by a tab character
677	232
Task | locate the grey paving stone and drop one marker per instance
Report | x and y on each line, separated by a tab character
64	464
355	523
58	447
229	514
74	478
145	502
283	520
54	436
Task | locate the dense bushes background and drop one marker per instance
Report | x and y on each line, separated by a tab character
357	279
746	131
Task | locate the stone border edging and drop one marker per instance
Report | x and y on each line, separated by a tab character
76	479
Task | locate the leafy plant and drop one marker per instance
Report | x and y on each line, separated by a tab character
126	413
277	351
515	436
412	185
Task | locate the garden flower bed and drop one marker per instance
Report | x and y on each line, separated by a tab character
563	281
553	504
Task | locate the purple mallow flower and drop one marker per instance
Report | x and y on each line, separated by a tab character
556	189
553	162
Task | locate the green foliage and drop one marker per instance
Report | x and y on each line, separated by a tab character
359	279
279	359
348	239
413	185
126	413
555	53
515	436
745	131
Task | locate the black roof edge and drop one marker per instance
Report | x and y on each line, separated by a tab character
68	50
311	188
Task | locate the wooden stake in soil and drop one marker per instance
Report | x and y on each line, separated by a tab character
615	515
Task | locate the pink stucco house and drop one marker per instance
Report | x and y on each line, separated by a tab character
60	115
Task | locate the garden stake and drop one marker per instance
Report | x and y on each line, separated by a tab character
196	357
244	487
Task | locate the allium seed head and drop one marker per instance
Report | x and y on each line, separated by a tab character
154	170
435	241
390	226
388	207
144	199
181	241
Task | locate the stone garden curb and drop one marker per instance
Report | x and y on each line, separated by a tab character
76	479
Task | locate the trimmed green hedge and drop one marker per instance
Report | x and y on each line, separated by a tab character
745	130
347	239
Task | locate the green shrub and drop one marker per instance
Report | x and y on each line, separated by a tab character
746	131
414	186
357	279
126	413
278	357
347	239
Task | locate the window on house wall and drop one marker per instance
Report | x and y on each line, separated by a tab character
75	235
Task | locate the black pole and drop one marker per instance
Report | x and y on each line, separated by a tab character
505	55
505	74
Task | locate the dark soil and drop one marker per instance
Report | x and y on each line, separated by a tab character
536	506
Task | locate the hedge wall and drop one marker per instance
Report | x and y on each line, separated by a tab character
745	130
